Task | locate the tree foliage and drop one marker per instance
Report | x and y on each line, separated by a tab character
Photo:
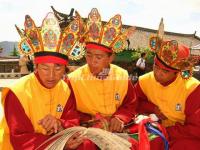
14	52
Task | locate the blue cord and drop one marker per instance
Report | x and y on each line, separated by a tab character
155	131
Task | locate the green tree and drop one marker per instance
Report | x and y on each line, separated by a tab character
137	53
14	52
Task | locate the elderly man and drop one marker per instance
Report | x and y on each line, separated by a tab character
40	104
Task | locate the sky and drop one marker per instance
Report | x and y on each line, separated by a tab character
180	16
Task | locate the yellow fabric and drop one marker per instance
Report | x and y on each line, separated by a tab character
37	102
168	98
99	96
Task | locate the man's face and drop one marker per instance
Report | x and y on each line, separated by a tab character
97	60
50	73
163	76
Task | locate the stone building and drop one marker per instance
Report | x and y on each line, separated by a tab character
195	50
8	65
141	38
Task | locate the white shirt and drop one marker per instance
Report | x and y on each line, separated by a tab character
141	63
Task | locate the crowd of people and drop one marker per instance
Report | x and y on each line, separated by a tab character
161	111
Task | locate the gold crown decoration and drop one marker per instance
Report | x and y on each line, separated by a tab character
110	35
172	54
50	38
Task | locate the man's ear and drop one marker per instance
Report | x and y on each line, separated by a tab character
35	68
67	70
112	57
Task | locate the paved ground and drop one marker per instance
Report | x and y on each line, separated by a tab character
5	82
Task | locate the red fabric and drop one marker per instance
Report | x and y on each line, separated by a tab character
87	145
98	47
50	59
134	143
185	144
143	136
157	144
22	134
144	143
183	52
158	63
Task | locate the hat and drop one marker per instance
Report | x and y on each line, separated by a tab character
108	37
50	44
170	55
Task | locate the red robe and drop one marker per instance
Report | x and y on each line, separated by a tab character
185	136
22	135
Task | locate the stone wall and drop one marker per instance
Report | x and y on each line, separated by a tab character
141	38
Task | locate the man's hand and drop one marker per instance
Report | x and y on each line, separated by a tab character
51	124
116	125
74	141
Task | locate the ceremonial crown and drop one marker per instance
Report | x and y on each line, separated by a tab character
50	39
171	54
109	37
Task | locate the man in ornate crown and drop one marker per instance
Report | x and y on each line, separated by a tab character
171	93
105	96
41	103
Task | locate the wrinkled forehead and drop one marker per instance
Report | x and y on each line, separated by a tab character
51	65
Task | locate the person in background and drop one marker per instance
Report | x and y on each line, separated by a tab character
30	64
22	64
140	65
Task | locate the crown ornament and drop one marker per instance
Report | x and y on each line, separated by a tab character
110	35
50	38
172	54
